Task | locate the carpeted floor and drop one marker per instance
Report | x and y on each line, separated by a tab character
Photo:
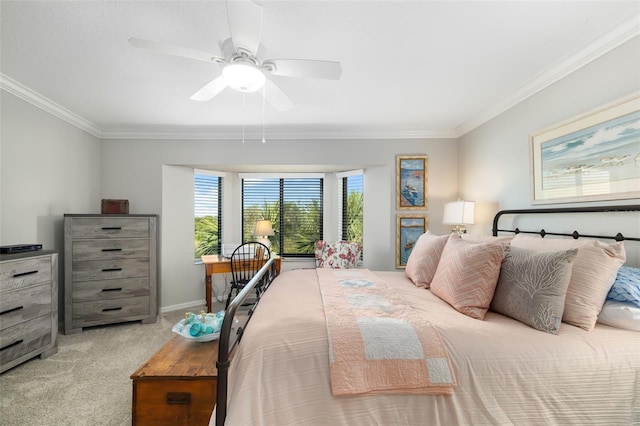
88	381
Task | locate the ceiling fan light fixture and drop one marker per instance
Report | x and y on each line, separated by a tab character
243	77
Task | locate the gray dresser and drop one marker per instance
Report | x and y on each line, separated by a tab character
110	269
28	306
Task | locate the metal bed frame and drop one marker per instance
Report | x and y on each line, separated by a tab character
575	234
228	341
267	274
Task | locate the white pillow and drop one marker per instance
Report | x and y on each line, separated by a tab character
621	315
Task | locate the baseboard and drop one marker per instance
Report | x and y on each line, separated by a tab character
182	306
190	305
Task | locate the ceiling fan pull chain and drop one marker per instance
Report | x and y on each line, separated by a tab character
264	96
243	116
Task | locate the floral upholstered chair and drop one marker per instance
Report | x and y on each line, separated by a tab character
337	254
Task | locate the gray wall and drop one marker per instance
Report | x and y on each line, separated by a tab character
156	176
494	161
47	168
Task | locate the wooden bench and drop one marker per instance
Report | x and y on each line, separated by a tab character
177	385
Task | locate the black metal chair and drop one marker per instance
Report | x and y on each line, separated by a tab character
246	261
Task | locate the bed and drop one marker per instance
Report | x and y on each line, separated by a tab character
503	371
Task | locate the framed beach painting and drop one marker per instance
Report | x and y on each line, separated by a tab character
592	157
411	182
410	227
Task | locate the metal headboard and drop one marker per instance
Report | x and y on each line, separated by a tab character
575	234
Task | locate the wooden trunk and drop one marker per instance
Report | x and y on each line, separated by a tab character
177	385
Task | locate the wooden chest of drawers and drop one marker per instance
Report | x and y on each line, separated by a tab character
177	385
110	270
28	306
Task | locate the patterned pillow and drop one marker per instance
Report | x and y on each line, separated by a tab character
532	287
626	287
592	274
424	258
337	254
467	275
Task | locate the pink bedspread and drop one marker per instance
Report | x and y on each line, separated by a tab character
506	372
377	344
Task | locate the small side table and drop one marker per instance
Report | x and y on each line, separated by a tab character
177	385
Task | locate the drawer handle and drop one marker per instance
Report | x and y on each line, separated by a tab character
112	249
111	228
111	269
111	309
10	345
17	308
22	274
178	397
112	289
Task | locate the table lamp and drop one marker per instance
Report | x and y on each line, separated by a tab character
263	231
459	213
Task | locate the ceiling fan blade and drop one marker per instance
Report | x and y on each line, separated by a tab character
174	50
210	90
276	97
245	23
328	70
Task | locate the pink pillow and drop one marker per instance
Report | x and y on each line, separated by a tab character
424	258
467	275
592	274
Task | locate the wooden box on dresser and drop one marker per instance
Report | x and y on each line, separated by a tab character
109	269
28	306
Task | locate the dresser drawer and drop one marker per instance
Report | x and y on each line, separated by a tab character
111	289
21	305
95	270
24	338
103	311
110	249
105	227
24	272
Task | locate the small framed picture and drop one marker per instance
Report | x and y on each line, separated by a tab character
409	229
411	182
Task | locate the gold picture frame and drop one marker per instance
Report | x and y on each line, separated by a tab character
411	182
592	157
409	228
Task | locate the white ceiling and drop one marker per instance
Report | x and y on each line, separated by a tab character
409	68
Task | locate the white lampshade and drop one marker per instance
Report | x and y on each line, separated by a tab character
243	77
263	229
459	213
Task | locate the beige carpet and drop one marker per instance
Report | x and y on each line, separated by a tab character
88	381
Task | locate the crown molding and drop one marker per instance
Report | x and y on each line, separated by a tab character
620	34
21	91
306	132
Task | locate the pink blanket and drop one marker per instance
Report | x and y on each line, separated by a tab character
377	344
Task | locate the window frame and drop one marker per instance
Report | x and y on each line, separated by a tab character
279	227
220	208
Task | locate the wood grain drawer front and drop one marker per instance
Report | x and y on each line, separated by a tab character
99	311
121	248
25	337
24	272
95	270
173	402
110	289
105	227
24	304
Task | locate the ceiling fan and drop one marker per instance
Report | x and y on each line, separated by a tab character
242	69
